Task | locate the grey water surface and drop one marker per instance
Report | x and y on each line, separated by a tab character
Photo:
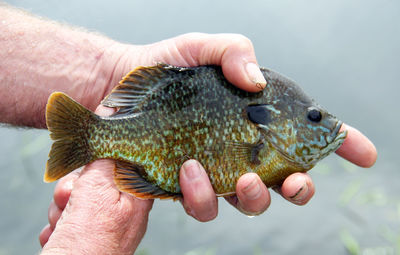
345	54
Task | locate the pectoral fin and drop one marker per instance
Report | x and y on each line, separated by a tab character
129	178
246	151
238	151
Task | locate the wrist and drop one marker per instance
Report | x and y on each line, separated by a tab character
59	58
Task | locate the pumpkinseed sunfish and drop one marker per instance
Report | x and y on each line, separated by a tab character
167	115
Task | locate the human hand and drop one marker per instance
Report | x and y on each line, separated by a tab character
252	196
89	215
124	217
235	54
92	215
121	216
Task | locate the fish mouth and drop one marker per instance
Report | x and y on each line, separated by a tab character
336	139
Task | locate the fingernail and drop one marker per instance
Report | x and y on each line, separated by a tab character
253	190
255	75
189	210
191	169
301	193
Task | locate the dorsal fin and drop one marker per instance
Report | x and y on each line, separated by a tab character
138	85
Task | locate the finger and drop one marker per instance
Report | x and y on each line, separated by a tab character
63	189
234	52
199	199
104	111
297	188
45	235
252	196
357	148
54	214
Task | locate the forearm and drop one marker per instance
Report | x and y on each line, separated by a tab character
38	57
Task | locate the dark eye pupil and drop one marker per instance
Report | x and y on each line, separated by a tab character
314	115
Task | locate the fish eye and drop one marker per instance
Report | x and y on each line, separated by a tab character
314	115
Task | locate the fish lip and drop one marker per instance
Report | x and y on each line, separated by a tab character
334	141
337	128
338	137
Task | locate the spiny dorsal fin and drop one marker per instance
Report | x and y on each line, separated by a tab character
138	85
128	179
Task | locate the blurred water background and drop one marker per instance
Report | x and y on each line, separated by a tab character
343	53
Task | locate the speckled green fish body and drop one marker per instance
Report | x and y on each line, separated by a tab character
167	115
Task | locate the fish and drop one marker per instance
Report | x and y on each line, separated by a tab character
167	114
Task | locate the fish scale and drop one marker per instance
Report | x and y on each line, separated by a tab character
167	115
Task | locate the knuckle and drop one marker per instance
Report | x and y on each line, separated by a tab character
240	41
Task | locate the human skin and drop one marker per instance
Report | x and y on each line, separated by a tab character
88	213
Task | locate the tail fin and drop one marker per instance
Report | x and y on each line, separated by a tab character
67	121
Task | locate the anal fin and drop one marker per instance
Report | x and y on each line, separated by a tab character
128	178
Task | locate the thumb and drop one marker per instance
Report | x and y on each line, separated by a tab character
235	53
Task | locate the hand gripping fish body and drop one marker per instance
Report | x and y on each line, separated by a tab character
167	115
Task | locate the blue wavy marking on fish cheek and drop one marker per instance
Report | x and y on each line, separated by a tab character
329	139
319	142
322	141
315	128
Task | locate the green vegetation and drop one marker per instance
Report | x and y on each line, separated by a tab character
350	243
359	197
202	251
